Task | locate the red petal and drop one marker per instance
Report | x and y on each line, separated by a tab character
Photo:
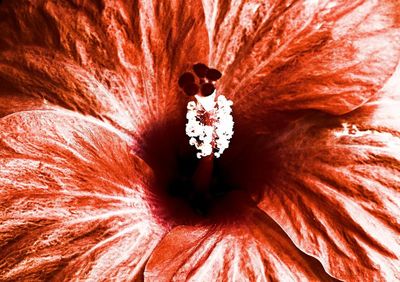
252	249
72	200
337	190
118	60
330	56
10	103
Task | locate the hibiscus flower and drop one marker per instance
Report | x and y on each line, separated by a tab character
93	151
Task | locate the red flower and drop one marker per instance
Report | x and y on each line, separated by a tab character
92	133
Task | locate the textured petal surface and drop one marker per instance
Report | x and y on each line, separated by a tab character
336	191
72	201
115	60
252	249
303	54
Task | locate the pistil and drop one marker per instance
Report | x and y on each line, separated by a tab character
210	123
203	175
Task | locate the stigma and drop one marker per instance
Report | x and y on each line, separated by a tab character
209	116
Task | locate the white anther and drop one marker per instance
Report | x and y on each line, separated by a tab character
191	105
208	102
214	136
